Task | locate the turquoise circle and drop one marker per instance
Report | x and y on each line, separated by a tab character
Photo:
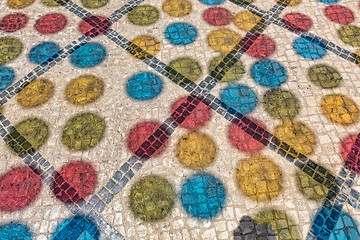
181	33
308	49
43	52
203	196
88	55
239	97
78	228
268	73
212	2
329	1
7	76
144	86
13	231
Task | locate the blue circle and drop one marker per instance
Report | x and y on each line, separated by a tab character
181	33
88	55
43	51
240	97
329	1
15	231
7	76
212	2
268	73
308	49
144	86
203	196
76	228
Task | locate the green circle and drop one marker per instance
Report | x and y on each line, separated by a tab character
233	74
83	132
10	48
144	15
350	35
310	188
152	198
94	3
281	104
325	76
188	67
54	3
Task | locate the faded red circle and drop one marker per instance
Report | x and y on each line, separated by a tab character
94	26
13	22
140	134
263	47
339	14
18	188
217	16
198	118
51	23
298	21
346	145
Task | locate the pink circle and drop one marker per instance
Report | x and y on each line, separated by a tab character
217	16
263	47
94	26
51	23
339	14
18	188
298	21
13	22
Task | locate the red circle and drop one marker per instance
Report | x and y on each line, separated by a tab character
263	47
198	118
298	22
217	16
13	22
94	26
346	145
51	23
339	14
75	181
242	140
138	139
18	188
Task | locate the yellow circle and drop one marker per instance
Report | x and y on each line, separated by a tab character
146	43
196	150
177	8
246	20
259	178
84	89
223	40
36	93
17	4
10	48
339	109
291	4
297	135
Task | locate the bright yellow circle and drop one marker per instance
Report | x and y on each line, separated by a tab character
84	89
223	40
177	8
246	20
146	43
291	4
18	4
36	93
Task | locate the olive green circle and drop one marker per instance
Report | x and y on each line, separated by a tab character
94	3
350	35
310	188
152	198
281	104
233	74
144	15
10	48
325	76
54	3
83	132
188	67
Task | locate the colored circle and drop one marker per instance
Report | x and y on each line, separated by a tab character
12	231
36	93
83	131
298	21
246	20
78	227
268	73
259	178
34	130
325	76
339	109
94	26
147	44
212	2
203	195
235	73
18	4
350	35
346	146
144	86
198	117
345	228
291	3
180	33
244	141
239	97
51	23
310	188
188	67
217	16
10	48
13	22
88	55
79	177
328	1
43	52
281	104
84	89
339	14
144	15
7	76
54	3
297	135
19	187
94	3
152	198
177	8
308	49
263	47
223	40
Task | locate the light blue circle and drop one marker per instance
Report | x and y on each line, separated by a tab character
240	97
268	73
212	2
88	55
76	228
7	76
203	196
13	231
42	52
144	86
329	1
308	49
181	33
